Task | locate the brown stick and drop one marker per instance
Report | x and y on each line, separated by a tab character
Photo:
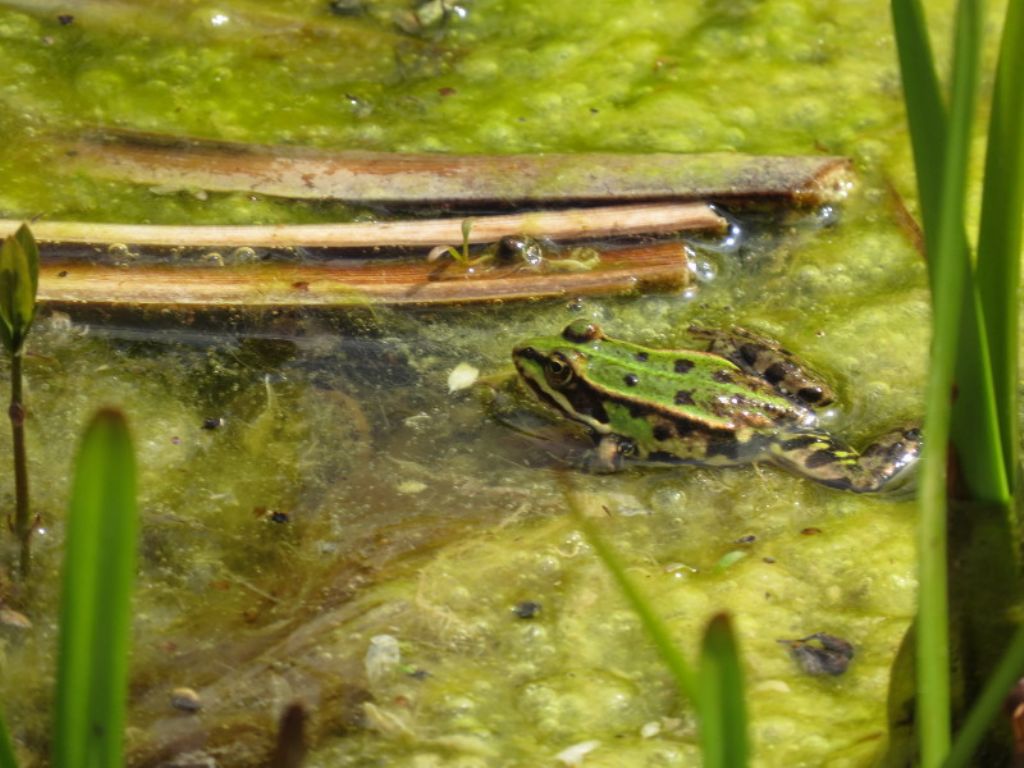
577	223
661	266
378	177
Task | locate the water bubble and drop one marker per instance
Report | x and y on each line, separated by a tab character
121	254
733	238
827	215
244	255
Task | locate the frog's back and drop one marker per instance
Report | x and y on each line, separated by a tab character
701	388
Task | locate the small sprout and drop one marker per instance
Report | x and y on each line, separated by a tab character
462	376
460	257
19	282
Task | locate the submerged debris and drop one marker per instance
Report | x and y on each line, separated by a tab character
382	659
574	755
821	653
12	618
527	609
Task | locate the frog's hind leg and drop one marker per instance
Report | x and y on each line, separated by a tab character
887	464
768	360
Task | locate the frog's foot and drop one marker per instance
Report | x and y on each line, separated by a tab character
767	359
609	454
892	458
887	464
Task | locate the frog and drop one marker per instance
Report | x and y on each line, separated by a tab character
742	399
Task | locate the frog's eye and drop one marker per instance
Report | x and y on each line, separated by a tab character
557	370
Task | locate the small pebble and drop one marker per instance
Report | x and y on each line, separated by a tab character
527	609
462	376
186	699
11	618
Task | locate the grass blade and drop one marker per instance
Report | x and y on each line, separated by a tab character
1003	678
975	418
949	264
999	238
925	114
723	711
7	758
652	623
949	269
95	614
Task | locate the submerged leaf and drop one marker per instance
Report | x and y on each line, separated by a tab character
19	281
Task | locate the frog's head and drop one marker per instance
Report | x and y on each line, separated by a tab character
555	368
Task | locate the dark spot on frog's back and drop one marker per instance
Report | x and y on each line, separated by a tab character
683	366
749	353
641	357
631	379
663	431
684	397
723	376
775	373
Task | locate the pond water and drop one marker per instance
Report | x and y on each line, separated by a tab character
324	521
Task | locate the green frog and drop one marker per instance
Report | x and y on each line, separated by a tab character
743	399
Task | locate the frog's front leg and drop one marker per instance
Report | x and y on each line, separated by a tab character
609	454
768	360
887	464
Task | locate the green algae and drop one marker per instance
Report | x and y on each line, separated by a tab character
308	484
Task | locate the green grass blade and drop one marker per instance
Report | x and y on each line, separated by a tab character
975	417
7	757
999	239
950	273
95	618
723	711
985	709
682	674
925	114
